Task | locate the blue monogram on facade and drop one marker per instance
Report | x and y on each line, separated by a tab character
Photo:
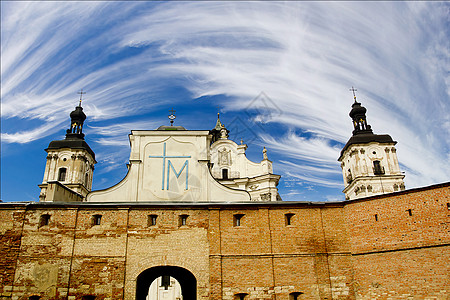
170	166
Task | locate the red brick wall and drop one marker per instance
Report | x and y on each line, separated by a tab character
330	250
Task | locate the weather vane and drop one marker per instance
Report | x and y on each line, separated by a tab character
81	95
353	90
172	116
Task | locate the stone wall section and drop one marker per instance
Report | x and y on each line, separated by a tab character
325	250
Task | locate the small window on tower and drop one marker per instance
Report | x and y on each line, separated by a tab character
62	174
377	168
89	297
34	297
224	173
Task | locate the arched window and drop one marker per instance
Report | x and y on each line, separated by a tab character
62	174
240	296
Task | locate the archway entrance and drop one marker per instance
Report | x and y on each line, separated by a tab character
185	278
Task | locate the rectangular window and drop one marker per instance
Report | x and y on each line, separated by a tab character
288	219
62	174
44	220
237	219
376	217
224	173
409	212
183	220
96	220
152	220
377	168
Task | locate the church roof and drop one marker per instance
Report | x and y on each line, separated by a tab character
72	143
366	138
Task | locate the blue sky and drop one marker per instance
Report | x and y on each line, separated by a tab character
280	73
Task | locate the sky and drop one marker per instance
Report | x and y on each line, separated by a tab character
278	72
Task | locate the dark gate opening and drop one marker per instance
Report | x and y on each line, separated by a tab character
185	278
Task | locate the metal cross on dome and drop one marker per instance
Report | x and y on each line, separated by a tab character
353	90
172	116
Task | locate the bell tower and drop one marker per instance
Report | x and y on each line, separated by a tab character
70	164
369	161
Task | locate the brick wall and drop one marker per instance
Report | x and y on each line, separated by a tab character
328	251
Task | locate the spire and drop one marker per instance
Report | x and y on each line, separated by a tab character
172	116
77	118
358	115
219	124
219	131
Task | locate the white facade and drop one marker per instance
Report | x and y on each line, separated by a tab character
371	169
232	168
158	291
174	164
74	168
369	161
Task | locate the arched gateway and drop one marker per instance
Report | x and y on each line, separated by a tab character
186	279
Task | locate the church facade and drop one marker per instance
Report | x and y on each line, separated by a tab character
195	219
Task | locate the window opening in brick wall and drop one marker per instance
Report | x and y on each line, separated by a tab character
62	174
96	220
34	297
295	295
240	296
409	212
88	297
44	220
152	220
288	219
376	217
448	206
237	219
183	220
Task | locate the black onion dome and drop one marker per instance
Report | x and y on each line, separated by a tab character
357	109
78	114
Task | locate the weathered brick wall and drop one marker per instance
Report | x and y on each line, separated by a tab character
328	251
401	245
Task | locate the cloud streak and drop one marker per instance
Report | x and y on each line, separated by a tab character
303	55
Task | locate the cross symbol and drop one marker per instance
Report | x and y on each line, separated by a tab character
353	90
81	94
164	157
172	116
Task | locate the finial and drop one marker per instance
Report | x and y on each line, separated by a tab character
265	153
242	142
354	95
172	116
81	95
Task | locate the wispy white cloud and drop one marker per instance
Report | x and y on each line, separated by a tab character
303	55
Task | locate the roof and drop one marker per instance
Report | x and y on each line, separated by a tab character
365	138
72	143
